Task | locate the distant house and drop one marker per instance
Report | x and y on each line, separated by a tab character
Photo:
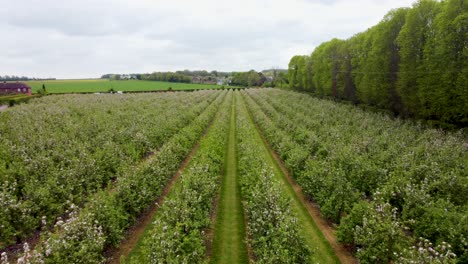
14	88
128	77
223	81
204	80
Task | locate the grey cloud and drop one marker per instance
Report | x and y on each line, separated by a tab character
74	19
323	2
90	37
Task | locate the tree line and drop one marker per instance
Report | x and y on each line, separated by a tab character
167	77
11	78
204	73
266	78
414	63
269	78
250	78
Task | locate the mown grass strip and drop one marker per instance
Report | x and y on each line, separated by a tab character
177	233
133	241
274	235
322	251
130	249
88	232
229	238
264	124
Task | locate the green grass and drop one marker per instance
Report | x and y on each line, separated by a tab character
100	85
229	236
136	253
15	99
13	96
322	252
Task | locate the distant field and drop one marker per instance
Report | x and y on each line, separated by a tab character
93	86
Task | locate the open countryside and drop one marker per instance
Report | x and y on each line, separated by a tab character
356	152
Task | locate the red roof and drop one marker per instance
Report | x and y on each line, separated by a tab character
15	85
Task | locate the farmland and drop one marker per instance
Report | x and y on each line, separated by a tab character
238	176
98	85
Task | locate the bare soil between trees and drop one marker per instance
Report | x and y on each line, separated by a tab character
343	254
13	251
136	231
327	230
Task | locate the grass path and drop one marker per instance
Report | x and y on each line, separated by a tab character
229	237
322	225
133	238
322	251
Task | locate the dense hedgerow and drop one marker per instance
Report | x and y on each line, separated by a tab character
371	174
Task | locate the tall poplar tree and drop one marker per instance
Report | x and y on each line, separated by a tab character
417	30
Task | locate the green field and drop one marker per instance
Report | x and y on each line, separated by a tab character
100	85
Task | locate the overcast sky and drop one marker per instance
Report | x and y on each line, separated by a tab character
87	38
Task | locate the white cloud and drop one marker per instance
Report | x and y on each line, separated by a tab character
72	39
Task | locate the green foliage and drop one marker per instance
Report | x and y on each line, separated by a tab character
327	68
12	100
273	232
412	39
135	191
381	66
443	94
248	79
178	231
295	70
300	73
413	63
379	179
345	233
136	188
384	182
41	91
79	239
167	77
425	252
380	234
